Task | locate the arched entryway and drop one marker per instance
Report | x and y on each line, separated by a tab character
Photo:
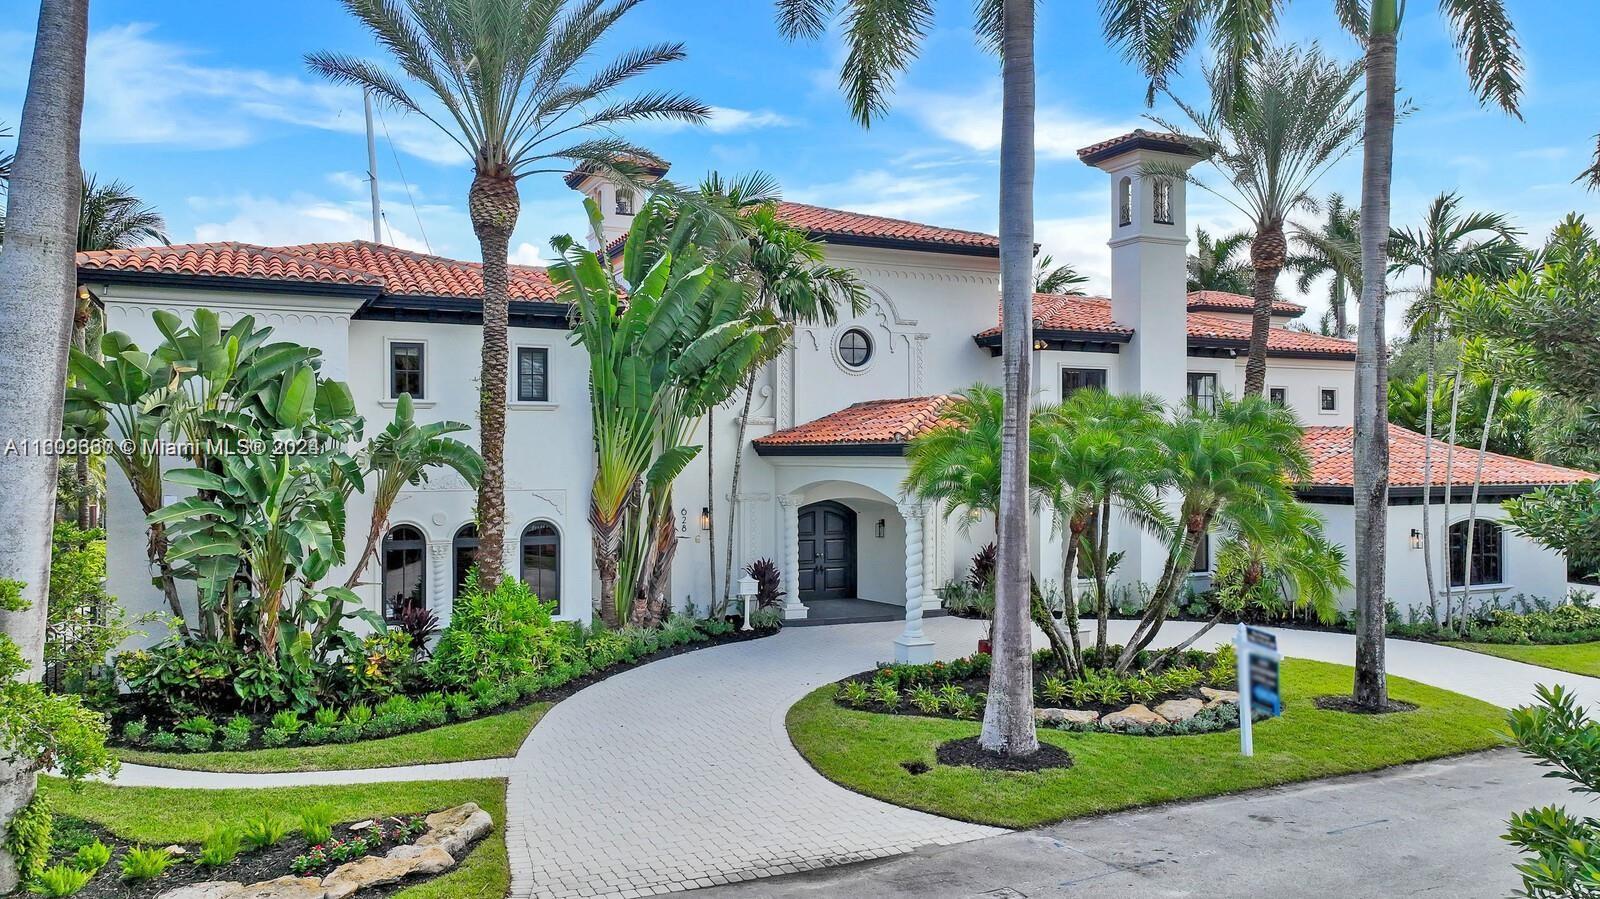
827	568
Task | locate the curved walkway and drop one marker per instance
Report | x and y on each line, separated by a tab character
680	773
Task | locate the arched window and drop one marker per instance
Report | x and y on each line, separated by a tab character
1125	201
404	579
464	549
1162	211
1487	541
541	560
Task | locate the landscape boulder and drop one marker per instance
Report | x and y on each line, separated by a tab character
367	871
1066	716
425	859
454	829
282	888
1175	710
210	889
1138	713
1215	697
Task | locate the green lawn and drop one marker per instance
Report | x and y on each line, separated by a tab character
1578	658
158	816
489	737
863	751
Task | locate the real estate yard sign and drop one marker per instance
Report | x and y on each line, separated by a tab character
1257	650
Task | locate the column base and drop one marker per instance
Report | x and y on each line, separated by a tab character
913	650
796	612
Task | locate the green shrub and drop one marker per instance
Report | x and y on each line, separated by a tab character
315	735
359	715
1054	689
197	724
196	742
262	831
28	838
886	694
497	634
288	721
59	880
962	705
855	694
766	619
92	857
273	737
461	705
926	699
326	716
134	731
221	846
346	733
1224	671
141	864
316	823
164	740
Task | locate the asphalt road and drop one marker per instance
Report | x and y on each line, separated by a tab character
1431	829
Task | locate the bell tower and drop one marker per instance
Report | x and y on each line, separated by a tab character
1149	254
617	202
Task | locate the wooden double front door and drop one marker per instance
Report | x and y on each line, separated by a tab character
827	551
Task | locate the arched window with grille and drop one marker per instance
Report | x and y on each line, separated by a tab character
464	550
1125	201
1488	541
404	576
541	560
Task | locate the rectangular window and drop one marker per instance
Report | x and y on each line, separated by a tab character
1278	396
405	370
1329	401
533	378
1076	379
1203	391
1202	556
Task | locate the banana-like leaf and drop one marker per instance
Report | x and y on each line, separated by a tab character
197	478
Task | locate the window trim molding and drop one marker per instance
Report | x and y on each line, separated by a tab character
1337	406
1500	584
1061	377
1272	387
514	400
1216	388
427	600
388	395
561	548
874	351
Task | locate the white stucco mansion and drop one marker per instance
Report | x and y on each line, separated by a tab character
820	493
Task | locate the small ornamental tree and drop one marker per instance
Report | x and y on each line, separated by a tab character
1561	851
1565	519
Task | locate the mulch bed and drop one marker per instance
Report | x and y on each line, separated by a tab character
1348	704
249	867
969	753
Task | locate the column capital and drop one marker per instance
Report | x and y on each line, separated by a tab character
912	508
790	500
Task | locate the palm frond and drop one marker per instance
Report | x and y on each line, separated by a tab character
1488	44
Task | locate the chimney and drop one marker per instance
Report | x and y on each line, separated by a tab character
617	202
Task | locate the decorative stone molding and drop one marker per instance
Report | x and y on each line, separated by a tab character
793	609
913	645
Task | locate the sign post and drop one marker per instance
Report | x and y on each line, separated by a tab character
1257	651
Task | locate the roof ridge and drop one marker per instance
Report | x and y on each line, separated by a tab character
886	218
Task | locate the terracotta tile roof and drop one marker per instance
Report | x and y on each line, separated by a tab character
226	260
1223	301
1332	452
646	166
1053	312
888	423
1140	139
1206	329
843	227
397	272
1093	315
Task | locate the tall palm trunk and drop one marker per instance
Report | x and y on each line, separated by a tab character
1102	544
36	304
1269	250
1371	422
80	342
1449	484
493	205
1472	507
1341	315
1008	714
1427	480
733	488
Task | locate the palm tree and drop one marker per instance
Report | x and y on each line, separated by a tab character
1592	173
506	74
1332	248
1061	280
883	37
400	456
36	289
1273	135
1212	266
1448	245
1157	39
789	278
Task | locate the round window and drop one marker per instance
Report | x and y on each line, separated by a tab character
855	348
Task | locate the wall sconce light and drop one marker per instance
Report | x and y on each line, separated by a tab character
705	518
83	293
1416	539
1040	344
881	526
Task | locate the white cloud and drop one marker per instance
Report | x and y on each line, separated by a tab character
723	120
527	254
142	90
1079	241
973	120
895	194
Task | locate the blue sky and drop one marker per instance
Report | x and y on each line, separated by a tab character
207	109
